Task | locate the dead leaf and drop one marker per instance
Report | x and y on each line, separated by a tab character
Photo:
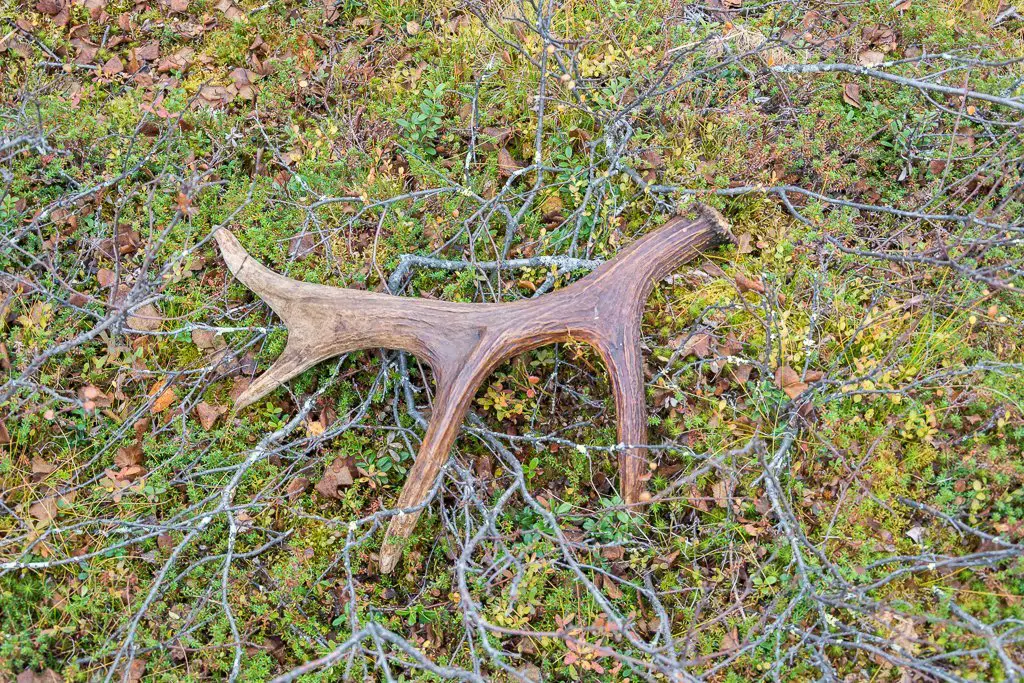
92	398
113	66
216	96
730	641
301	246
746	284
870	58
179	6
331	13
743	244
147	52
136	671
105	276
613	552
699	344
59	10
243	80
720	491
129	456
788	379
484	467
506	164
206	340
164	397
44	676
41	468
146	318
412	28
238	387
44	510
492	138
337	475
296	487
741	373
231	10
178	61
5	436
611	588
208	414
851	94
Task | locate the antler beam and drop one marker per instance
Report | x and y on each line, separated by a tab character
464	343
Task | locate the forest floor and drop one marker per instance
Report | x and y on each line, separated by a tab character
836	401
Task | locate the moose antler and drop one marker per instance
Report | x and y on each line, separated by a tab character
464	343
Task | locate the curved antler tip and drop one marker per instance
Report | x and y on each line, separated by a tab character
389	557
231	249
722	227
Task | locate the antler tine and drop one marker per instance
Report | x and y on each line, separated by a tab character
275	290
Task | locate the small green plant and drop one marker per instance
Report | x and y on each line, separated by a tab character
424	123
612	524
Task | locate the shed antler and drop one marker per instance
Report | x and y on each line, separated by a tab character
464	343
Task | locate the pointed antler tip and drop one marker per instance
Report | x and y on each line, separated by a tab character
231	249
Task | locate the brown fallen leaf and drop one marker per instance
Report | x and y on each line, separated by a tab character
129	456
105	276
337	475
50	7
730	641
243	80
113	66
58	10
870	58
146	318
208	414
44	676
164	397
41	468
96	9
788	379
215	96
179	6
613	552
296	487
611	588
698	344
720	492
851	95
92	398
301	246
743	244
746	284
177	61
5	436
147	52
44	510
492	138
506	164
231	10
331	13
741	373
136	671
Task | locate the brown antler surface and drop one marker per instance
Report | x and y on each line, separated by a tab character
464	343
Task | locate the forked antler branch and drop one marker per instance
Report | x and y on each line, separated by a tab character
464	343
